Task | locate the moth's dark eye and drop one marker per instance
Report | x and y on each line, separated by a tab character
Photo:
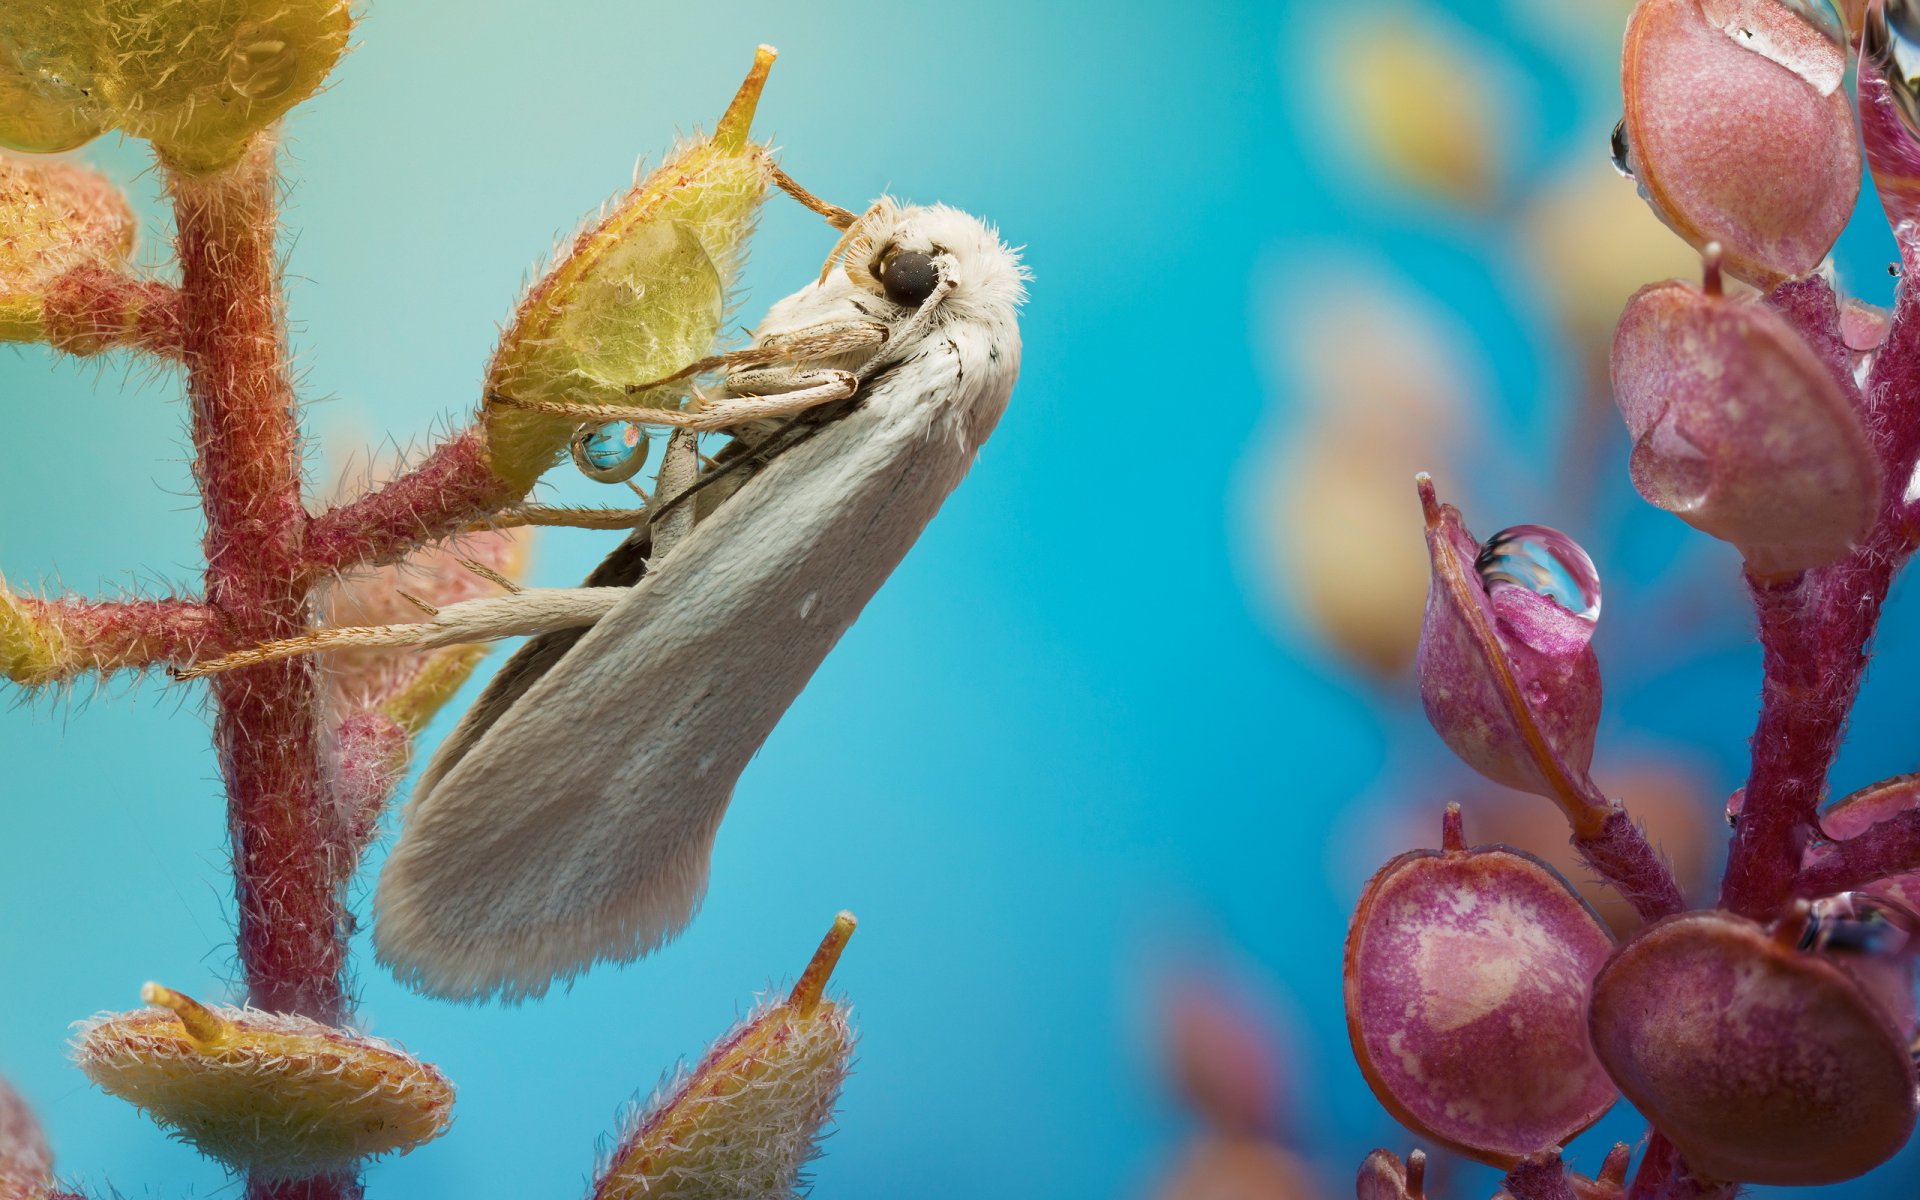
909	277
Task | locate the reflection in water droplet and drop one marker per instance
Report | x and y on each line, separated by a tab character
1860	923
260	66
1545	561
610	453
1622	149
1891	42
808	603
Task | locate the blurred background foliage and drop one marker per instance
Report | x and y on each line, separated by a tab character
1105	765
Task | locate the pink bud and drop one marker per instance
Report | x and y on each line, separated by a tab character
1506	673
1760	1062
1739	130
1740	430
1466	985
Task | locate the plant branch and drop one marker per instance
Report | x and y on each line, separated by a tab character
455	487
291	930
1814	628
91	309
79	635
1889	848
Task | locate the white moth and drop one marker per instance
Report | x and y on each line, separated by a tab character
570	818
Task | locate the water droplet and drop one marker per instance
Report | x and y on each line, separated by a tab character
610	453
1622	149
1891	43
261	65
1735	803
808	603
1860	923
1541	560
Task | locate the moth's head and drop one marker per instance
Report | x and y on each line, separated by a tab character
909	256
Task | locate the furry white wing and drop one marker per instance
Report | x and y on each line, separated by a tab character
579	826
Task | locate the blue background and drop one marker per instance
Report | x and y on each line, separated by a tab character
1059	747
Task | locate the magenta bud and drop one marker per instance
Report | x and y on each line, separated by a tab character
1761	1062
1506	673
1466	986
1740	430
1739	131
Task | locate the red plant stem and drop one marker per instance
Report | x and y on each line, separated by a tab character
1813	634
90	309
287	880
1814	629
113	635
1663	1175
443	495
286	842
1890	848
1620	854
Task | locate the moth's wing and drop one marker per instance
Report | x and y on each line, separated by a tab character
621	568
579	826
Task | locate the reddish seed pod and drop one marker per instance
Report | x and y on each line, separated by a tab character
1466	989
1761	1062
1506	673
1739	130
1740	430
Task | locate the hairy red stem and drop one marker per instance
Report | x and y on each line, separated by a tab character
286	843
92	308
112	635
1814	628
1620	854
455	486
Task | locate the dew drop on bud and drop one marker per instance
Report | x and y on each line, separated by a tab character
610	453
1891	42
260	66
1620	149
1544	561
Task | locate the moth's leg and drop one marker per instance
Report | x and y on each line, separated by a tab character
825	340
561	516
836	216
679	467
814	388
529	611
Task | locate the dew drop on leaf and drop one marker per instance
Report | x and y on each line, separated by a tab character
610	453
1545	561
